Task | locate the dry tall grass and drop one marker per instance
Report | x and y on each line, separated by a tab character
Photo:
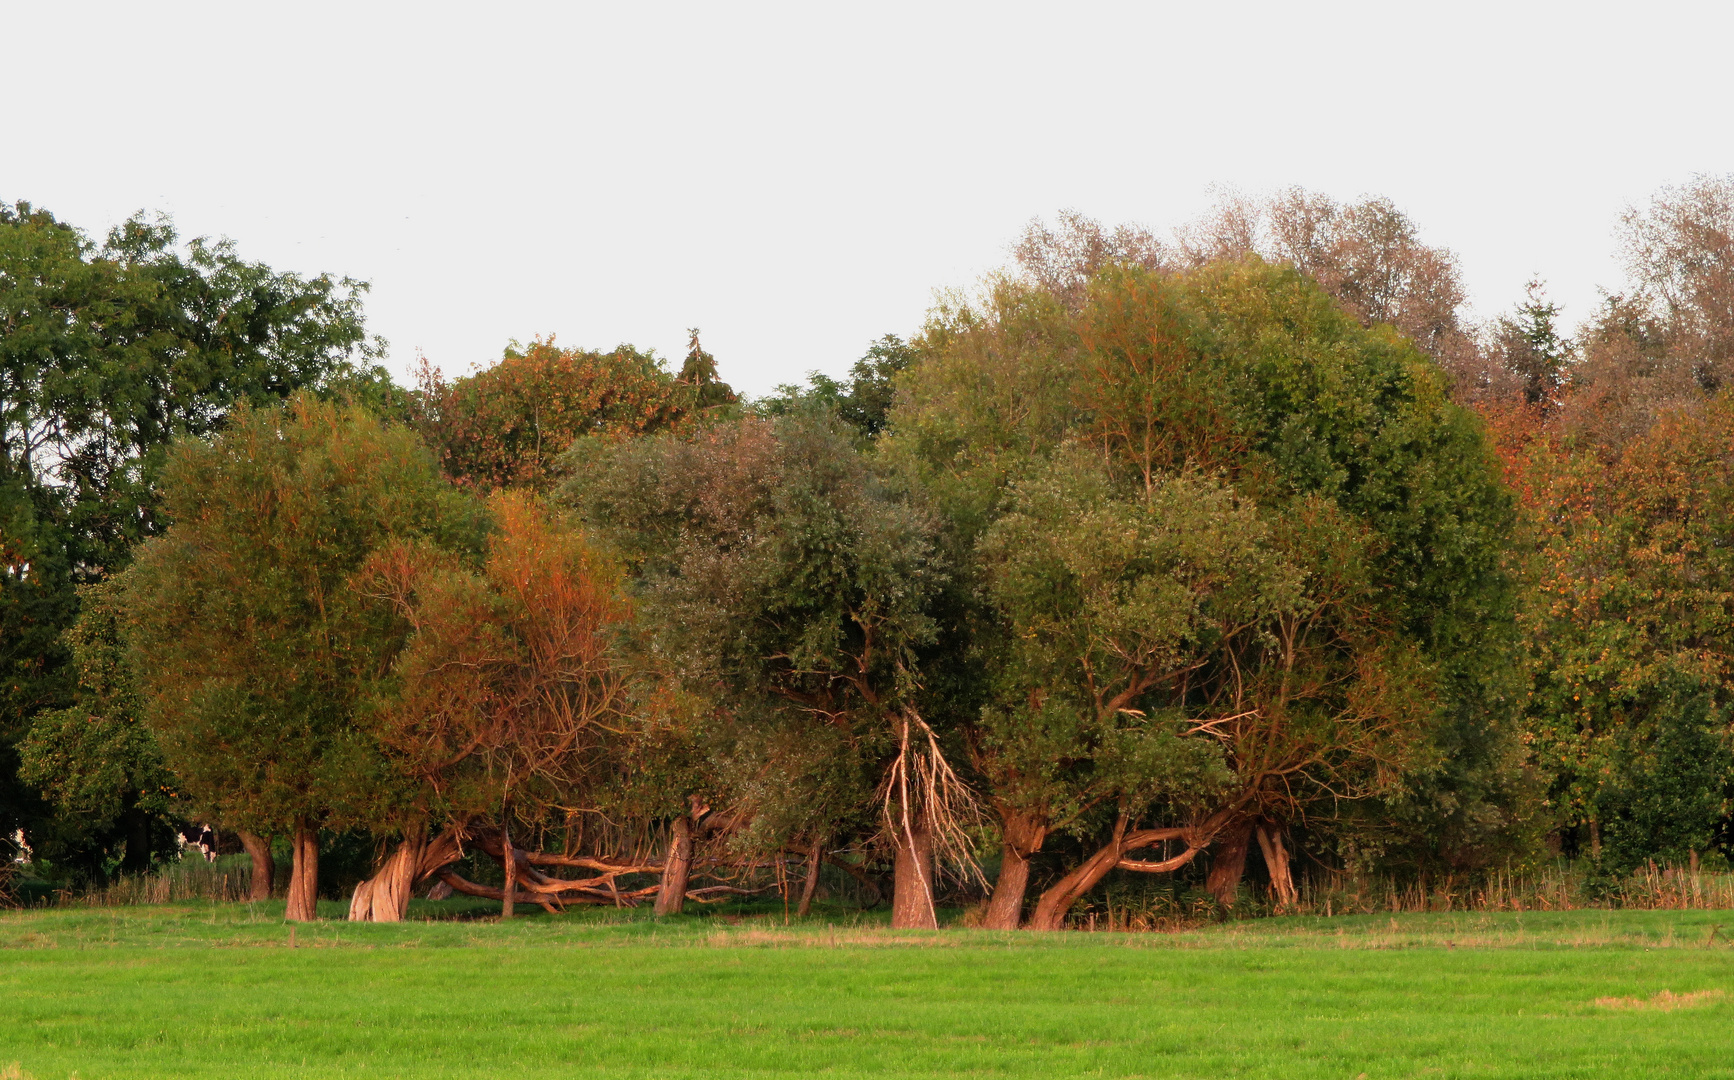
189	879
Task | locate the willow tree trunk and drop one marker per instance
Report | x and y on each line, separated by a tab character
509	892
384	897
676	869
304	875
264	866
1021	837
811	885
912	888
1229	861
1270	842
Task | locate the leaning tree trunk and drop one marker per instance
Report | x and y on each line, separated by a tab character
1270	842
811	885
1229	862
304	875
264	866
671	895
509	891
912	887
1021	837
384	897
1050	912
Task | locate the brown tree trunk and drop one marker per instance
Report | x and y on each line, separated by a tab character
1051	908
509	893
1229	861
264	866
384	897
676	869
912	886
1270	842
304	875
811	885
1021	836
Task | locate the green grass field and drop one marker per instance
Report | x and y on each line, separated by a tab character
206	990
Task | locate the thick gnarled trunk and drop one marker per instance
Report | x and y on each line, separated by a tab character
303	903
384	897
677	868
912	887
1228	861
264	866
1021	837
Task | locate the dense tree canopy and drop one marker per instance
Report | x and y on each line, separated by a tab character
1149	558
106	353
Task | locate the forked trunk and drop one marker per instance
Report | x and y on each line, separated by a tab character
1270	842
384	897
912	889
1051	909
303	903
677	868
264	866
1229	861
509	892
812	883
1021	837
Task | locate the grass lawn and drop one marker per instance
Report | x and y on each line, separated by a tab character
194	990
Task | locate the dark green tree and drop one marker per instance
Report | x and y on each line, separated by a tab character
863	401
792	581
96	760
107	352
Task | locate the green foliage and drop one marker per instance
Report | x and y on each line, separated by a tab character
1630	651
252	638
1371	488
97	761
106	353
863	402
781	573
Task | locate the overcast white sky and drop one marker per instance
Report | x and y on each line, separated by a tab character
798	179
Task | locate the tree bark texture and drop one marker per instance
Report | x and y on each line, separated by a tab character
912	888
1228	862
1271	843
811	885
384	897
304	875
677	868
264	866
508	894
1021	837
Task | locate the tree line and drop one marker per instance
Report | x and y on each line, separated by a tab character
1244	550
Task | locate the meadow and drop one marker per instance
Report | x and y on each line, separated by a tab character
206	989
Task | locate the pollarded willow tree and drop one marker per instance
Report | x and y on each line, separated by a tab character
1239	556
252	636
792	581
510	700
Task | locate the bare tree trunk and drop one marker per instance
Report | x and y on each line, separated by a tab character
304	875
1021	836
384	897
508	894
677	868
912	887
811	885
1270	841
264	866
1229	862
